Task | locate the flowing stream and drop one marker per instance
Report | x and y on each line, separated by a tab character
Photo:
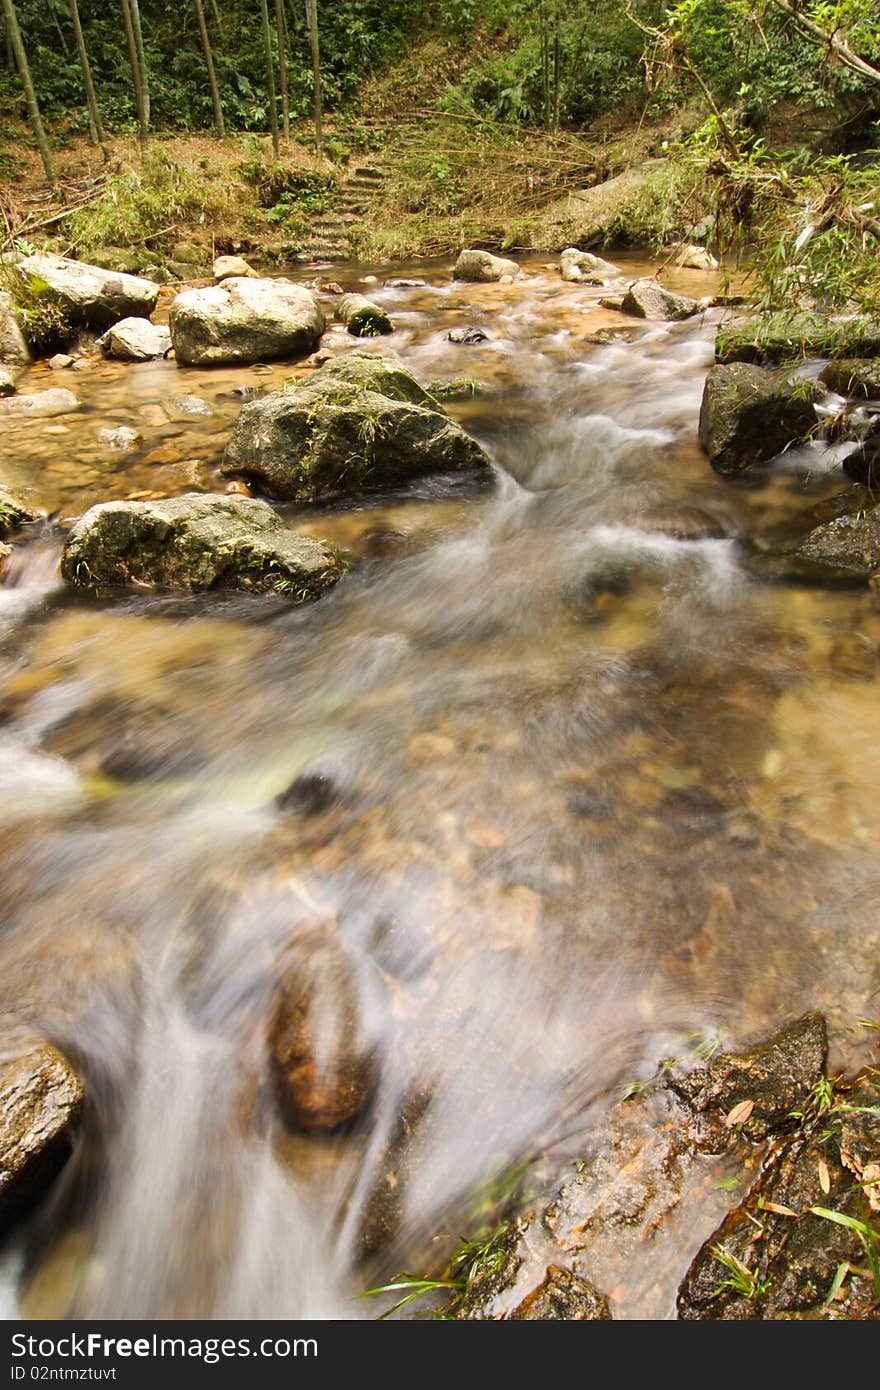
579	794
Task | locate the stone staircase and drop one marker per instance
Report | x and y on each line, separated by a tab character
329	236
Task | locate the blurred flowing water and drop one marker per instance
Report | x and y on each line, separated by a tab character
574	795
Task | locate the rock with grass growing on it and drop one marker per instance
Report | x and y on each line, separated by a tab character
362	317
483	266
750	414
88	295
858	377
13	512
331	438
844	550
385	375
244	320
582	267
788	337
136	340
645	299
41	1098
197	541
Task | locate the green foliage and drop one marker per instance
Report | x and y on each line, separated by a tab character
740	1279
40	316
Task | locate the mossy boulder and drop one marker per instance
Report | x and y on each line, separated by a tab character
13	512
329	438
858	377
41	1098
197	541
750	414
582	267
787	337
362	317
244	320
386	375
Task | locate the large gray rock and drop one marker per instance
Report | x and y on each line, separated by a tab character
89	295
786	337
244	320
13	348
583	267
40	1099
56	401
645	299
136	340
198	541
749	415
386	375
331	438
483	266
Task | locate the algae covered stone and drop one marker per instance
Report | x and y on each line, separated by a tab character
330	437
198	541
749	415
387	375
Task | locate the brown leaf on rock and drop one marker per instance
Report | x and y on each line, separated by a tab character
739	1114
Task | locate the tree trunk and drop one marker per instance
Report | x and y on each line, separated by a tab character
91	100
212	76
312	19
141	55
131	44
270	74
282	70
30	95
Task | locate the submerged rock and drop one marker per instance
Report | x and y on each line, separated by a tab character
329	437
483	266
647	300
198	541
786	337
749	415
583	267
244	320
362	317
89	295
41	1098
136	340
55	401
845	549
322	1056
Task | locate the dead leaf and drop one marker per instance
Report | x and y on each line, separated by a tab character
778	1209
739	1114
824	1175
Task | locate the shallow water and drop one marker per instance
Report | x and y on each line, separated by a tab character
597	794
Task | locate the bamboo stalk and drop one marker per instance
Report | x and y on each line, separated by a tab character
91	100
131	44
270	75
280	29
212	75
30	95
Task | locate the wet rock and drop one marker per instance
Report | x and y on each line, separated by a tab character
122	437
853	376
226	266
43	404
136	340
362	317
197	541
483	266
60	360
383	1208
244	320
118	258
468	336
385	375
775	1256
647	300
129	741
40	1101
846	549
310	794
562	1295
749	415
13	348
401	283
7	382
89	295
332	438
684	524
786	337
863	464
771	1079
322	1058
693	257
583	267
183	407
457	388
13	512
